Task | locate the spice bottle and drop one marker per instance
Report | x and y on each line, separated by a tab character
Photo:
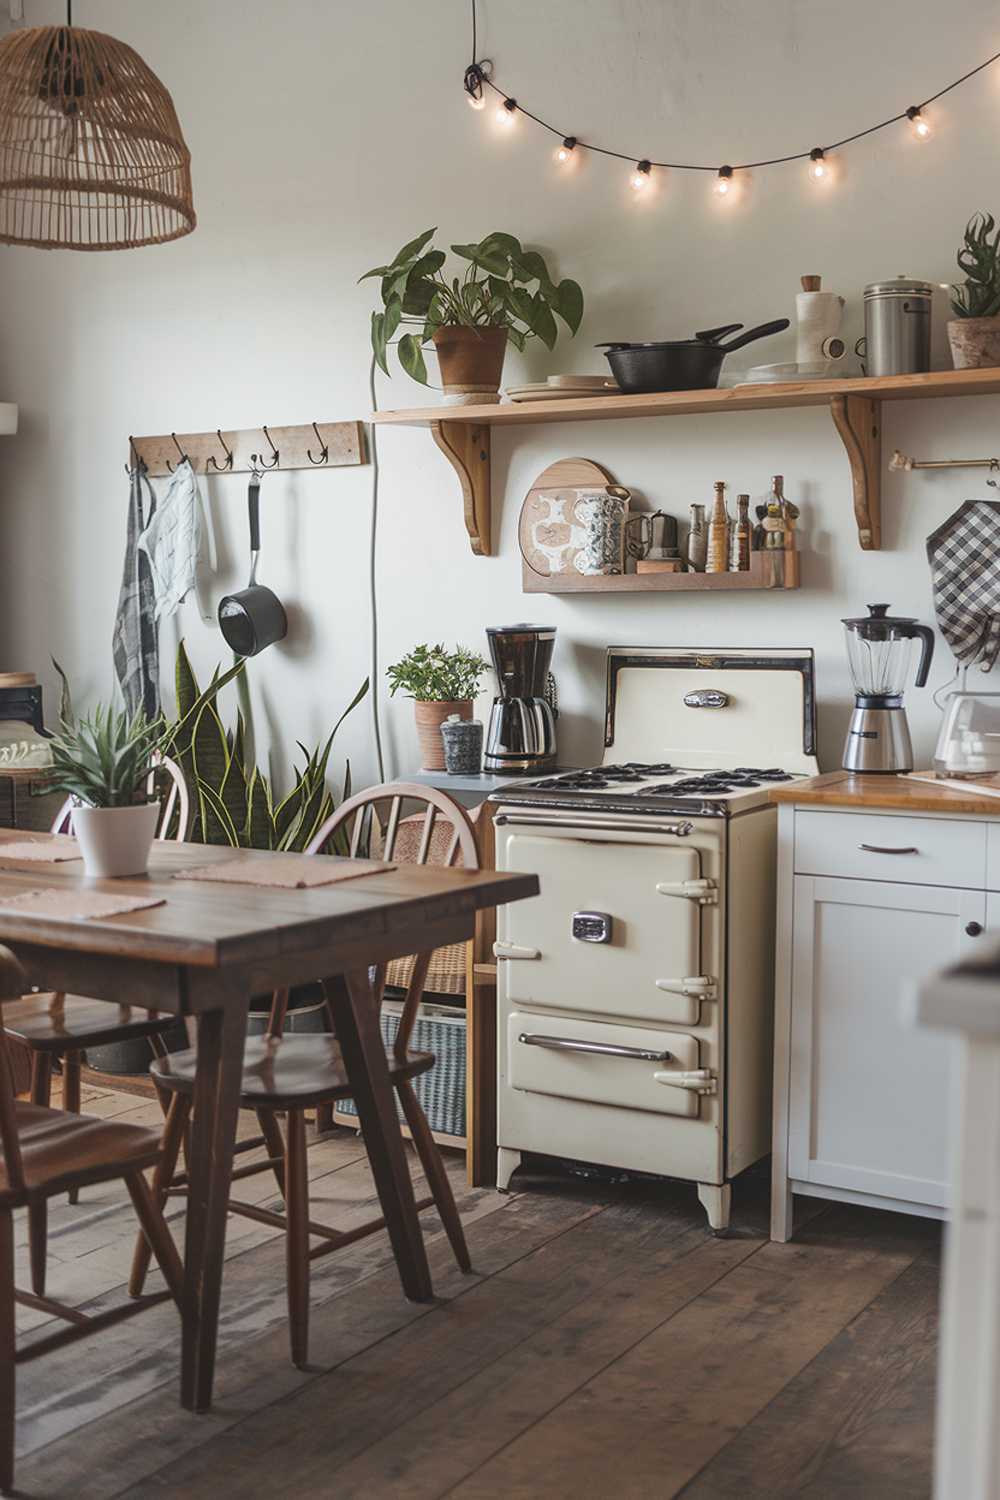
718	533
697	540
739	545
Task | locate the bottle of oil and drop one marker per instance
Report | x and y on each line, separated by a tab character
718	533
739	545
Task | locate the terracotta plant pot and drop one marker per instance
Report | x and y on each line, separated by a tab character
115	841
471	363
430	716
975	343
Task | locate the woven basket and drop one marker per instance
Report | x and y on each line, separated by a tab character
441	1091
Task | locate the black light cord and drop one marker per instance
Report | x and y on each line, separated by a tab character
476	79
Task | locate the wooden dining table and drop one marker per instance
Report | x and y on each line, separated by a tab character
201	955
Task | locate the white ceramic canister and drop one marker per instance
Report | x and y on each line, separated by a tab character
818	316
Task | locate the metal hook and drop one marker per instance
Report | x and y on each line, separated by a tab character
324	452
994	466
180	450
211	463
138	462
258	458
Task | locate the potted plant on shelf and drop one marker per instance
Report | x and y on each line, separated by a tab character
505	293
974	332
104	761
441	683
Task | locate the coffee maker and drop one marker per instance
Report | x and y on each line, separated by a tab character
522	732
878	653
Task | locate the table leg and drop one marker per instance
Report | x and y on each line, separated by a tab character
360	1038
221	1035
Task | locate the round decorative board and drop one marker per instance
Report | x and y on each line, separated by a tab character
545	526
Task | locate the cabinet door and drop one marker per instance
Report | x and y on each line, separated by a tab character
869	1093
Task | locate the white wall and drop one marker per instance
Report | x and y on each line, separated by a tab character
326	134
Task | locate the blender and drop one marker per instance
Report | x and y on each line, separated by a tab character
522	731
878	653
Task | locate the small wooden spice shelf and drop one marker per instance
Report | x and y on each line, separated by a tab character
463	432
768	570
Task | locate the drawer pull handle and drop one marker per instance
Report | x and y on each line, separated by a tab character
878	849
597	1049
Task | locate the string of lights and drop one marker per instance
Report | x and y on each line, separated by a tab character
478	83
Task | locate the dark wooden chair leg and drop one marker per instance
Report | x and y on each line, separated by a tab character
434	1169
41	1078
71	1097
38	1213
271	1131
7	1350
173	1134
324	1118
297	1235
156	1233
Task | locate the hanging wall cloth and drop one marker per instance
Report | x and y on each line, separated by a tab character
964	557
171	541
134	645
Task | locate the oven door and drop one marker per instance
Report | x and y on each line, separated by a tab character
615	931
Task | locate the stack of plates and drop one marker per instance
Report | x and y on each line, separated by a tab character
820	369
558	387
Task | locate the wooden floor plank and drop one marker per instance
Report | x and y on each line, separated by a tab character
650	1422
857	1421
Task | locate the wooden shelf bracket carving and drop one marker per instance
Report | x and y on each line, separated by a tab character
466	446
859	422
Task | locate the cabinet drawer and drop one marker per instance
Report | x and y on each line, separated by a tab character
874	846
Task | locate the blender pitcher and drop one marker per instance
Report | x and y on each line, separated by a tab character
879	646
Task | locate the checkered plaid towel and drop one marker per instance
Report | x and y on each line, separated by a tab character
964	556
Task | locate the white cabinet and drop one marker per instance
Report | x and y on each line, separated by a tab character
861	1098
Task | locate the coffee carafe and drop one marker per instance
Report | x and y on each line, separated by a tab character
522	730
879	646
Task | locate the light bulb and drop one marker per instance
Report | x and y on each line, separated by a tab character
920	126
567	148
639	180
817	164
724	181
476	101
505	112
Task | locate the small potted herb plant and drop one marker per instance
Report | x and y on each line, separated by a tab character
974	331
505	293
441	683
104	761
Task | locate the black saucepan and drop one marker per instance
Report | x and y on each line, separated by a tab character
683	364
255	617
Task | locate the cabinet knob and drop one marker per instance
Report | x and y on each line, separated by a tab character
974	928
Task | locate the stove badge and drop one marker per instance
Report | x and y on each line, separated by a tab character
592	926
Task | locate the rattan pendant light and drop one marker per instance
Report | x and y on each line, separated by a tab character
91	151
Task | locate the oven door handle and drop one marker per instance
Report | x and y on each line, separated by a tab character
705	892
595	1049
575	821
511	950
696	1081
701	985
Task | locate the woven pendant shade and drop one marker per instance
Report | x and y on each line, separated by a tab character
91	151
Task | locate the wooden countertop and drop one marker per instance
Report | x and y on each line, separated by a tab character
841	789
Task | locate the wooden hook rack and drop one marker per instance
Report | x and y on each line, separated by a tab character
315	445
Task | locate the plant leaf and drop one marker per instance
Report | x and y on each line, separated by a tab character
379	340
568	303
544	323
411	357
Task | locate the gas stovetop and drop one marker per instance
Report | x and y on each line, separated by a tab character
643	786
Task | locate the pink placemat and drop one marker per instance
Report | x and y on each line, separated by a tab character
50	903
54	848
285	871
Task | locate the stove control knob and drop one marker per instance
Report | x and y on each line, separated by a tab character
592	926
974	929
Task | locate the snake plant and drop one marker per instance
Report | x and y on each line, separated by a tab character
979	258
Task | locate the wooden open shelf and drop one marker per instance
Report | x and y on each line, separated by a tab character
768	570
463	432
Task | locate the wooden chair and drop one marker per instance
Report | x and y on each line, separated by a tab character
45	1152
61	1026
292	1074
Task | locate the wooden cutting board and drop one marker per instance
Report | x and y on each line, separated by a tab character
567	473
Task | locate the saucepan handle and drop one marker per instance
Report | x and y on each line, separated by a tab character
713	335
761	332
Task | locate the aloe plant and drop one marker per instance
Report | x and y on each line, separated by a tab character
979	258
494	291
104	759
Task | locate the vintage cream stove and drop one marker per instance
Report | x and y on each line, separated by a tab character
635	992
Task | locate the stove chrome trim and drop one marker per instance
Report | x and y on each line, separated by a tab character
597	1049
614	824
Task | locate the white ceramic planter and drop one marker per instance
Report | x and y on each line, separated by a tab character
116	841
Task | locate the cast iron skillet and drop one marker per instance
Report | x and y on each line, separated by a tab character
683	364
255	617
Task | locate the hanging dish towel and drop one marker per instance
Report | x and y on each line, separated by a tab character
134	645
964	557
171	541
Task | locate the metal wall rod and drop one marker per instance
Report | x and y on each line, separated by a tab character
900	461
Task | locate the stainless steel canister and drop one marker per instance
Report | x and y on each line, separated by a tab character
897	337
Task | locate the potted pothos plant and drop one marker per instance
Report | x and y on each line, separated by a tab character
974	331
104	760
441	683
503	294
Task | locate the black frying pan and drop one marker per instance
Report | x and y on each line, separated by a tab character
681	364
255	617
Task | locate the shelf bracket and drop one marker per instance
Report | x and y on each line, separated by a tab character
858	419
466	446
